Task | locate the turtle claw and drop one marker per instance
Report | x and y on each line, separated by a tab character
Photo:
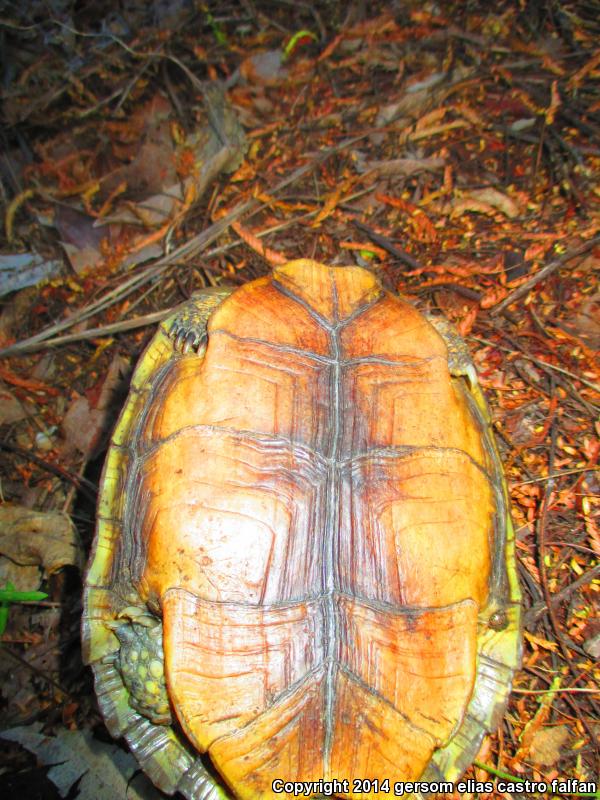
186	338
460	362
187	328
191	341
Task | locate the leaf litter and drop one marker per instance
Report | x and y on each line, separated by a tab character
452	148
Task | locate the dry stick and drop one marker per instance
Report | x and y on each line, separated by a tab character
565	690
541	535
470	294
156	316
536	611
198	243
384	242
78	481
566	696
543	274
39	341
102	330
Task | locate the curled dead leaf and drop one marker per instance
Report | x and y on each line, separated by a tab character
48	540
89	418
498	200
485	201
264	68
493	296
24	579
592	647
404	166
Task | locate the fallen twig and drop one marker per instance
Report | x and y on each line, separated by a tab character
382	241
538	609
187	250
543	274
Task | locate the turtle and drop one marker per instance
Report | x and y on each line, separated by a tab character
303	573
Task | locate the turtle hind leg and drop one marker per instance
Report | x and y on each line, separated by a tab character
140	660
149	727
187	326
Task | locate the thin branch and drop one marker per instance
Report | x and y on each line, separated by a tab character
536	611
185	251
522	290
79	482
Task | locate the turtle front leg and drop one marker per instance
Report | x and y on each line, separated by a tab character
188	325
460	362
460	365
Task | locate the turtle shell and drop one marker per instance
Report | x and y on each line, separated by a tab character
314	507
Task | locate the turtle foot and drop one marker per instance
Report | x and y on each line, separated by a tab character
188	326
140	661
460	362
188	331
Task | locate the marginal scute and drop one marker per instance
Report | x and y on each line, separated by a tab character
160	752
113	698
112	501
197	783
98	640
314	504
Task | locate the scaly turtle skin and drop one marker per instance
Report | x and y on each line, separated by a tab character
304	506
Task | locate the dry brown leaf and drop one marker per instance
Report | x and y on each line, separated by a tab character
405	166
264	68
498	200
485	201
537	640
88	419
11	408
459	207
48	540
102	771
24	579
332	200
585	322
592	646
547	745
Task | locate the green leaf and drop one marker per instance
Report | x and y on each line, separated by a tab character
10	595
